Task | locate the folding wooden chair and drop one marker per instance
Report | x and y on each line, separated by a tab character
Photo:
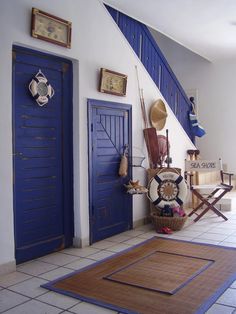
213	192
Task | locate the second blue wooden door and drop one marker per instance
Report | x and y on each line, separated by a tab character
109	133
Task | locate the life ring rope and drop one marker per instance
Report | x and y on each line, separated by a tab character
42	99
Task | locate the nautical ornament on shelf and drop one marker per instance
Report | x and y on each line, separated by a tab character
40	89
133	187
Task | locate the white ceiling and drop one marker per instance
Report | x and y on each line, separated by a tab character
207	27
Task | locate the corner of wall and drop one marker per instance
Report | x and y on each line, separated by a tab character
7	268
80	242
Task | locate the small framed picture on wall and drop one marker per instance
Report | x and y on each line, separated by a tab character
48	27
112	82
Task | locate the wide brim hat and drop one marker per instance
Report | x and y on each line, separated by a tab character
158	114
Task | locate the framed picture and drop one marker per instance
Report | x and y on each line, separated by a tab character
112	82
50	28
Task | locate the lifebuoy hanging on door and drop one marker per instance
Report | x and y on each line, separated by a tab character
40	89
167	188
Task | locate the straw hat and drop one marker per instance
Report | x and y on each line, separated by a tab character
158	114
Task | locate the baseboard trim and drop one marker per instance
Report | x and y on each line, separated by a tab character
80	243
7	268
141	222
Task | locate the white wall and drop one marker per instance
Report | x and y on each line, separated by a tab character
96	42
215	83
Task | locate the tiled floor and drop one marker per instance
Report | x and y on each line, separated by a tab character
20	292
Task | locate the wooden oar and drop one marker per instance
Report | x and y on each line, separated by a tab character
150	134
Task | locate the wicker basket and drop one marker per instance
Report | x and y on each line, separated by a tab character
174	223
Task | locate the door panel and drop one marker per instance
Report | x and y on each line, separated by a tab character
109	132
42	212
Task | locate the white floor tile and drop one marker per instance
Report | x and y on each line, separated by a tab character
102	245
188	233
35	268
30	288
56	273
134	241
59	259
59	300
212	236
178	237
197	227
222	230
209	221
233	285
13	278
145	228
119	238
119	247
230	223
228	298
133	233
231	239
205	241
10	299
220	309
101	255
87	308
81	263
148	235
34	307
84	252
228	244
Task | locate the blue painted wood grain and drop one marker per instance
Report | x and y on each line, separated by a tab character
109	130
43	159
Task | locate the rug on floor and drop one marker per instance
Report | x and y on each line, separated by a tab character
157	276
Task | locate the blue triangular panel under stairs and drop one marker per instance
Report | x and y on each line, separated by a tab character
146	48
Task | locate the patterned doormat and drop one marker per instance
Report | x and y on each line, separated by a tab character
157	276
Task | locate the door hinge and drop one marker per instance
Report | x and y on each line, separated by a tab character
91	127
65	67
13	56
92	217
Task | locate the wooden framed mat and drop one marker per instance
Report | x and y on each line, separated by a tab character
157	276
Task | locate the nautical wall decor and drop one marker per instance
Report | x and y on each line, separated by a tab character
112	82
51	28
40	89
167	188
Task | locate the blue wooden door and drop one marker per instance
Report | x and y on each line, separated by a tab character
42	157
109	132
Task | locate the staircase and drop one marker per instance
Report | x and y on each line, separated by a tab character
146	48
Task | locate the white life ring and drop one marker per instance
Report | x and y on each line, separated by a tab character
40	89
167	188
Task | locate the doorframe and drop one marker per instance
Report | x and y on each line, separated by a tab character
67	140
106	104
